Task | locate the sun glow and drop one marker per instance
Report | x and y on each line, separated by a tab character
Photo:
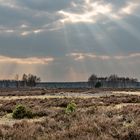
92	11
89	14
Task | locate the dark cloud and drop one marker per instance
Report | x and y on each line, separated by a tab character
47	28
45	5
35	45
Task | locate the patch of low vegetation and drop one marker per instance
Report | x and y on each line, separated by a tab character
79	125
71	107
21	112
73	119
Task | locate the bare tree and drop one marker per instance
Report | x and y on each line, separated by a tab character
92	80
30	80
17	80
25	79
113	80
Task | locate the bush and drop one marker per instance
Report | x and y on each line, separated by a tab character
71	107
21	112
29	114
98	85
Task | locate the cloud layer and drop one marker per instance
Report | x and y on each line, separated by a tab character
69	40
27	61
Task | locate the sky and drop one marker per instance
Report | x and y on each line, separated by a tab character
68	40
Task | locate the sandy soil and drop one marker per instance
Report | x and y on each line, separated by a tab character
127	92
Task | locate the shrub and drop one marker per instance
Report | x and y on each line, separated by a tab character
71	107
21	112
98	85
29	114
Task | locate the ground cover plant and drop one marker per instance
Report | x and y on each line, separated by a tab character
45	91
103	118
21	112
71	107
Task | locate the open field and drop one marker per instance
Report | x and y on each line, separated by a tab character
112	115
40	91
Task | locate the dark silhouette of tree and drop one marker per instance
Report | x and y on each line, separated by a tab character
17	80
25	79
113	78
92	80
98	85
30	80
112	81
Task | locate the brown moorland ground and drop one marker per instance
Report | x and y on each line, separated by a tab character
45	91
114	117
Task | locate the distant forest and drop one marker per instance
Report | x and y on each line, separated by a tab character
30	80
112	80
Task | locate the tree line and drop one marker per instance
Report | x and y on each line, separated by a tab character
27	80
30	80
113	80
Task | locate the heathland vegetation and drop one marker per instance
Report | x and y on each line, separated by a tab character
103	118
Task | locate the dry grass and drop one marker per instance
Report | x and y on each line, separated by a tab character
36	92
94	119
90	123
